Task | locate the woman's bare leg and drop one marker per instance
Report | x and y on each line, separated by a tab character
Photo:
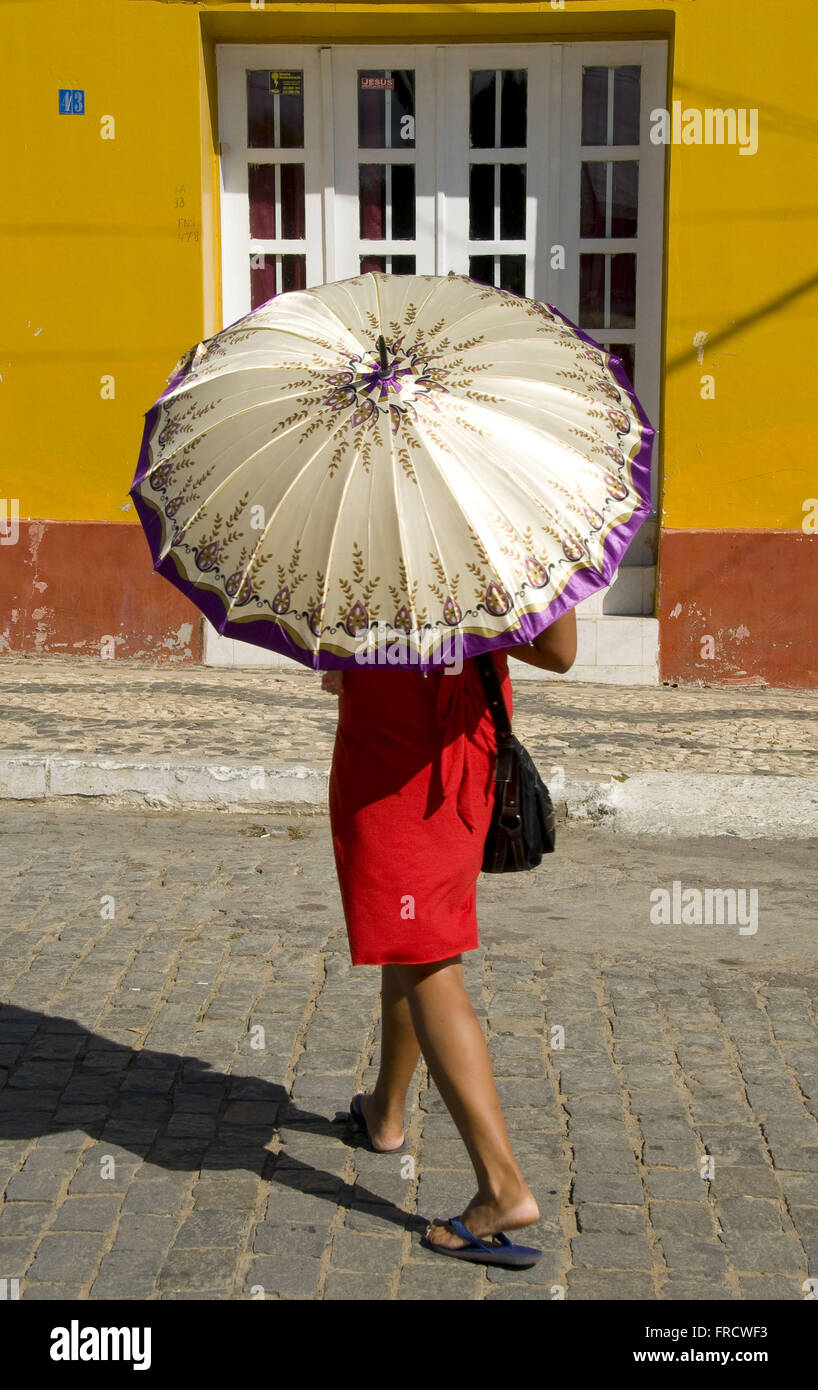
384	1107
453	1045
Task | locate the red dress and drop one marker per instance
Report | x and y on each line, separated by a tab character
410	796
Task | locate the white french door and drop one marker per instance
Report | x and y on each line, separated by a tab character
385	162
528	166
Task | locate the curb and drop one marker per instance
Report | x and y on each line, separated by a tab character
761	805
168	785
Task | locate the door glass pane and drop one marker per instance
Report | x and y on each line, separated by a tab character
275	109
482	268
371	112
386	108
394	265
626	105
291	113
261	185
262	279
372	201
623	290
260	133
592	290
512	202
481	202
374	184
624	128
403	202
505	272
512	274
592	199
482	105
594	106
402	110
609	198
293	273
627	353
621	309
625	197
513	108
483	132
271	275
293	218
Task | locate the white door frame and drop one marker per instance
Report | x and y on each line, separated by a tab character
457	61
232	61
649	240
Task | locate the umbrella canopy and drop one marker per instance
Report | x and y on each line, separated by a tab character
389	464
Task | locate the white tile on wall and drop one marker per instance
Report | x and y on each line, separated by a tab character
610	650
619	642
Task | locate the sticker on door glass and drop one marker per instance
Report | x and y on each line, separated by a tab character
286	83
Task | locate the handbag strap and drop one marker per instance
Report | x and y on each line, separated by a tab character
494	695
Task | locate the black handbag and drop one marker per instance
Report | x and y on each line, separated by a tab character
522	826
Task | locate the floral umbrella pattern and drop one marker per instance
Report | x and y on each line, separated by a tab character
393	459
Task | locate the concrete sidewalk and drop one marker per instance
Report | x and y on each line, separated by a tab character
652	760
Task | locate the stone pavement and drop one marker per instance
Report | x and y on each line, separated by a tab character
184	1032
648	760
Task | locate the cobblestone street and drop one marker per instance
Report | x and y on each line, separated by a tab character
183	1033
76	707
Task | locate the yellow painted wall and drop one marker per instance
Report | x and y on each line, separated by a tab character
100	277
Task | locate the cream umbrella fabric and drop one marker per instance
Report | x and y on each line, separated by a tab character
390	465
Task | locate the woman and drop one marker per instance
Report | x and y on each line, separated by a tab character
411	797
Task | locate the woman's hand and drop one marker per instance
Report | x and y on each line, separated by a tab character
555	649
332	681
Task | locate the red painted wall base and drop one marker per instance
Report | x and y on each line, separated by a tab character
85	588
734	607
738	608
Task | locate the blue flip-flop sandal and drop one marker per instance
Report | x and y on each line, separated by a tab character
357	1116
478	1252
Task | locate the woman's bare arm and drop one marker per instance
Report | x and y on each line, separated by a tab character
555	649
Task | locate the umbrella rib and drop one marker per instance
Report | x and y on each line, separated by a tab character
427	513
402	537
333	310
449	326
433	291
242	463
497	410
225	419
248	458
336	526
356	307
482	485
531	495
263	534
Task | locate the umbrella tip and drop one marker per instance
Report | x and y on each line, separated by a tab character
382	352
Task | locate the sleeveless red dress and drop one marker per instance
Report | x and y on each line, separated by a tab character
411	794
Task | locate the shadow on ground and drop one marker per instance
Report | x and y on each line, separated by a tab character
69	1079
